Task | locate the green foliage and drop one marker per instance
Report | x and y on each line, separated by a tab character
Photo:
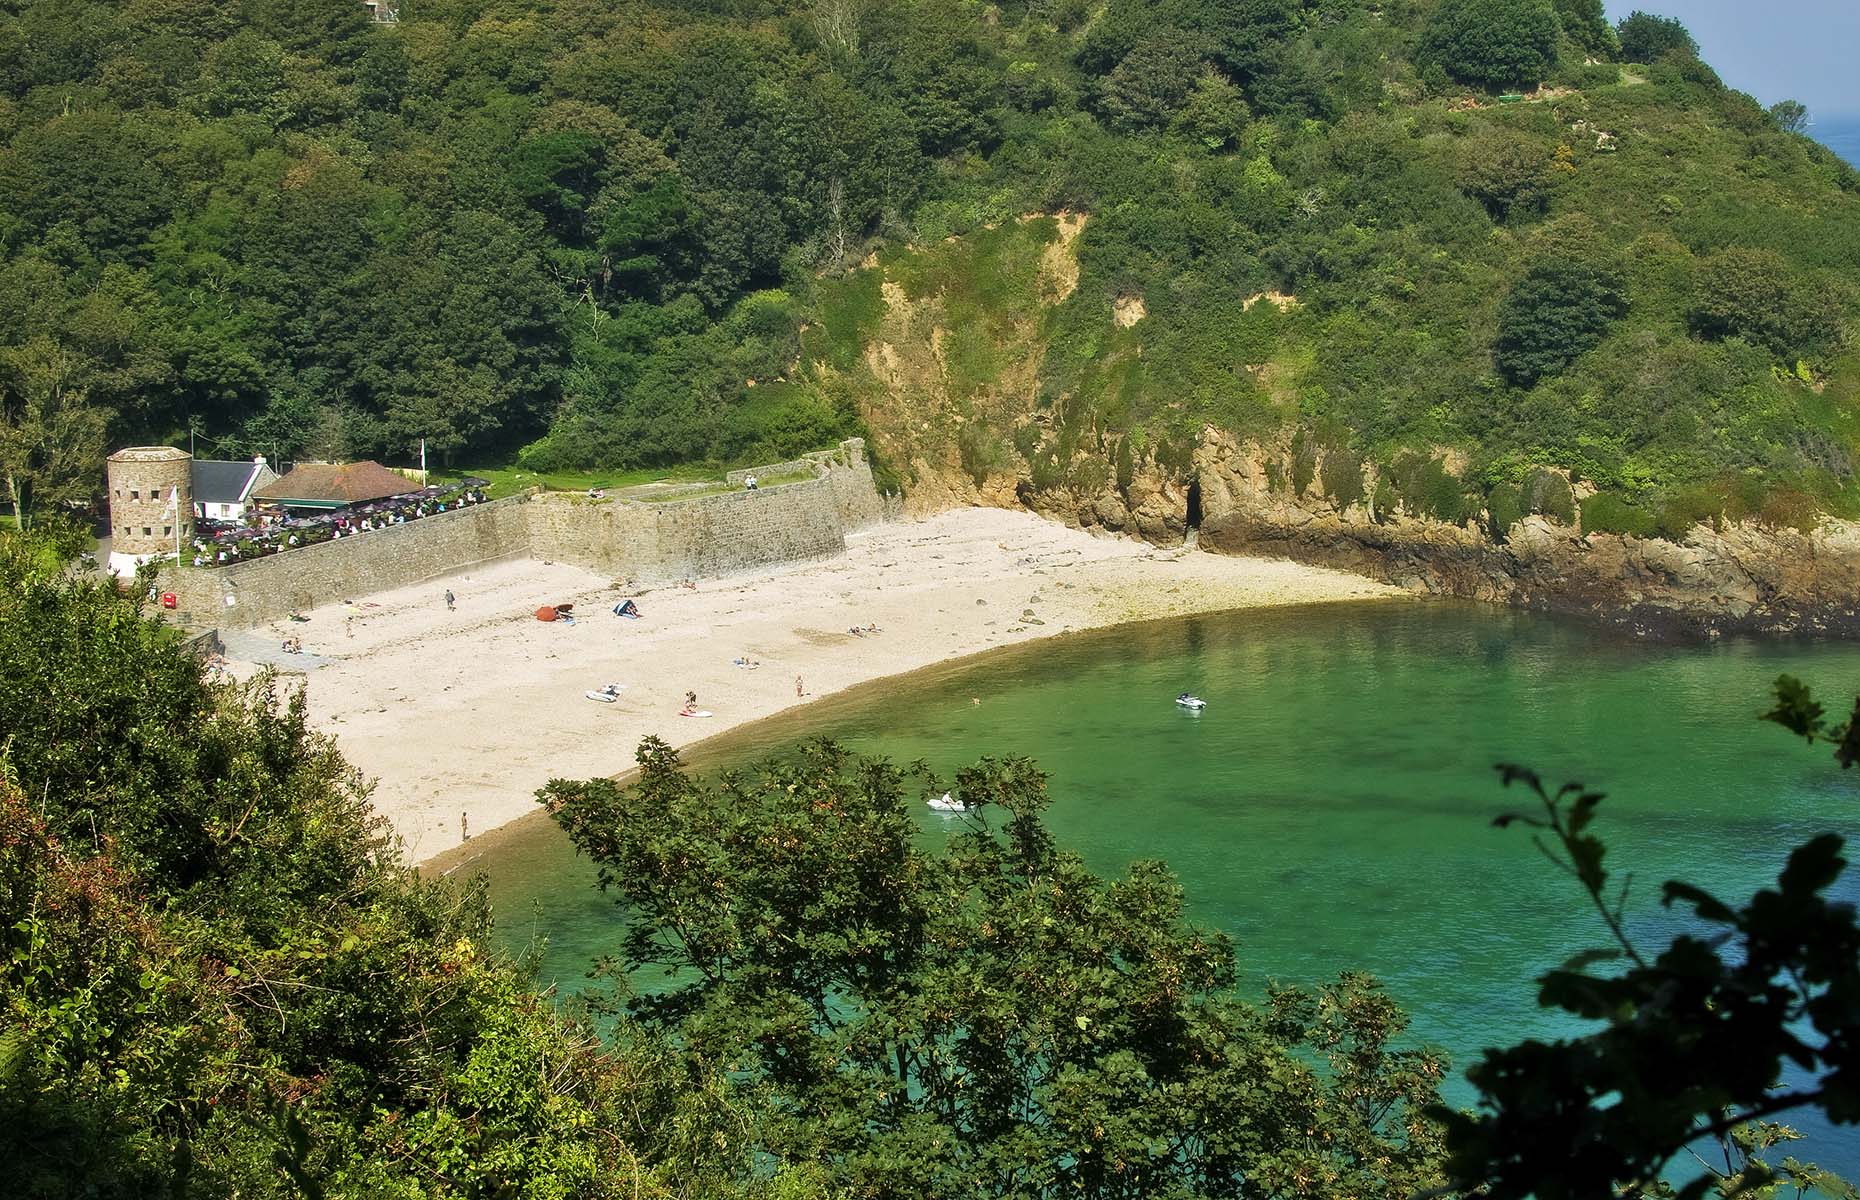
1504	507
1585	23
1646	38
987	1017
1154	81
1693	1038
1791	116
1548	493
1426	488
572	242
1509	174
1605	512
1492	43
218	977
1558	312
1754	294
1342	476
51	437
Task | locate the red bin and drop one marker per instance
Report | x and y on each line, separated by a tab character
168	600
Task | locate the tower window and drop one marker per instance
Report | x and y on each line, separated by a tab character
166	530
146	532
134	494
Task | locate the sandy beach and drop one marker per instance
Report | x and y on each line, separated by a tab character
468	712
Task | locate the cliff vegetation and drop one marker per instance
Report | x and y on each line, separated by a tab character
1495	236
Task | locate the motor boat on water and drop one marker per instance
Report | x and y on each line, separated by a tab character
946	803
1192	703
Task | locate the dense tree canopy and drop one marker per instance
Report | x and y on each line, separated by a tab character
1645	37
990	1020
1493	43
215	974
636	232
1554	315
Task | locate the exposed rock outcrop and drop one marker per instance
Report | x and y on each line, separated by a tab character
1742	578
960	410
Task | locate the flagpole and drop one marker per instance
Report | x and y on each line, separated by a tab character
422	462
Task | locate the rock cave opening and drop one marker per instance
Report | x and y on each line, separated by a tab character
1194	504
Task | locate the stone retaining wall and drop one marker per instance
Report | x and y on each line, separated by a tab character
855	494
265	589
708	535
683	539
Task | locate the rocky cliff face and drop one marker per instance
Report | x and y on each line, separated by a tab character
1742	578
1739	579
961	435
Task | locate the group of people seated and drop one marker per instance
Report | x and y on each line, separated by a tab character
862	630
266	535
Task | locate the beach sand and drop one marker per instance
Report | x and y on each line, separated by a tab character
470	711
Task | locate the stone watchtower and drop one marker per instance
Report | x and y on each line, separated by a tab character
143	524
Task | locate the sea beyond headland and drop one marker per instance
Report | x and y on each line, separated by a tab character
460	715
1840	134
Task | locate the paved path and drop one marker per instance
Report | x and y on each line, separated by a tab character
266	649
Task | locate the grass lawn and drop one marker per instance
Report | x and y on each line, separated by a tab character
719	487
509	480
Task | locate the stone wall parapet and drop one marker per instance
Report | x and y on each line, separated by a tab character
265	589
718	533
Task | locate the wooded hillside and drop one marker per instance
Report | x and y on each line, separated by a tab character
580	229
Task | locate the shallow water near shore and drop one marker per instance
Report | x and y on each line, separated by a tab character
1332	807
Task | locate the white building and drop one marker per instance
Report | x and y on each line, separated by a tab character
223	490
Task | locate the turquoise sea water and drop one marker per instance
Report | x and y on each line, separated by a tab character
1332	806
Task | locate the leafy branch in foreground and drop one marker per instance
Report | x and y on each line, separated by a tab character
1695	1039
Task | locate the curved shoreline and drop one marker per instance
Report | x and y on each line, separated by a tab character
465	713
733	743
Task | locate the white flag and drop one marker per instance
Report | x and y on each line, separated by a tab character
174	500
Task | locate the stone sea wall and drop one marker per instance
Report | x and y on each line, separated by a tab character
710	535
648	542
266	589
855	494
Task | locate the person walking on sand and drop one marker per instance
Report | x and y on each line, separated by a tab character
451	601
798	691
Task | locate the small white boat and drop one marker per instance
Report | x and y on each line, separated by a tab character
1193	703
607	694
946	803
